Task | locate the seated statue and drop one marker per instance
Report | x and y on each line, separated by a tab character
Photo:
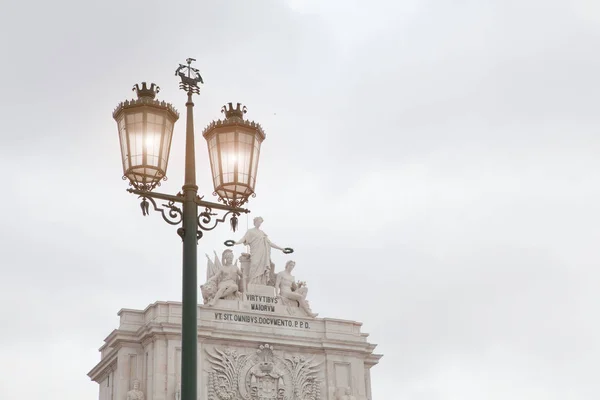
290	292
224	282
135	393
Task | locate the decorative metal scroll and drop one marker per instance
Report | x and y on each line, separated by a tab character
170	213
173	215
206	222
144	187
237	203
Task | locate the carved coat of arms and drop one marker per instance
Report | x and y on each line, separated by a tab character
261	376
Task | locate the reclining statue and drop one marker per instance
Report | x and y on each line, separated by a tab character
292	292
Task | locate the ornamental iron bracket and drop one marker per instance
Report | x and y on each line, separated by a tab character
169	212
173	215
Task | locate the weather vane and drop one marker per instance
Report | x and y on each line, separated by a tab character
189	81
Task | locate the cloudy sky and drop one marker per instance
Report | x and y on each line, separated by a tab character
433	163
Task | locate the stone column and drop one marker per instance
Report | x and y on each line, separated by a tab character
159	367
245	267
148	370
173	365
368	382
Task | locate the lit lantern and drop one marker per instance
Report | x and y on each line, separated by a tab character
234	148
145	131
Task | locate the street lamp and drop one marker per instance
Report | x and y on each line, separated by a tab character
234	148
145	131
145	127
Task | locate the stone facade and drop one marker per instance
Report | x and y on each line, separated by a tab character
253	347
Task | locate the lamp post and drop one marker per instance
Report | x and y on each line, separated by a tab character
145	128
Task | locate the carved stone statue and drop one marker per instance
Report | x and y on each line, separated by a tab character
178	391
225	281
260	253
135	393
289	290
347	395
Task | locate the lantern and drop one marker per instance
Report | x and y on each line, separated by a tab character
145	131
234	148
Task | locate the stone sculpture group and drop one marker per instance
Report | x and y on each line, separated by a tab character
226	280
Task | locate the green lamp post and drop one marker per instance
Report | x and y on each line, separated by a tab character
145	127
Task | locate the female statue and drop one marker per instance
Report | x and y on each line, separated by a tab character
260	253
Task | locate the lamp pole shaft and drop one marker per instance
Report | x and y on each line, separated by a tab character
189	321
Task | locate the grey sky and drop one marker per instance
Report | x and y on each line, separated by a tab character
434	164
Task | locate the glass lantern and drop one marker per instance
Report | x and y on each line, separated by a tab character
145	132
234	149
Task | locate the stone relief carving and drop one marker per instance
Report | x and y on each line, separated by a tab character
347	395
135	393
291	293
260	269
224	280
262	376
266	381
304	382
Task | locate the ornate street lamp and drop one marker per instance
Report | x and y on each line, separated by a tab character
145	129
234	148
145	132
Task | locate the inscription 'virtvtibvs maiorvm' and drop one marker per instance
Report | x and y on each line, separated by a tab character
261	303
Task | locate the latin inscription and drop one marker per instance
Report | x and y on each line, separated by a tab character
262	307
262	299
259	320
262	303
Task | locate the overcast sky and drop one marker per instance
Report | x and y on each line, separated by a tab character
433	163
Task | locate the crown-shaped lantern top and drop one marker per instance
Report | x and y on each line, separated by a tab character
237	112
146	92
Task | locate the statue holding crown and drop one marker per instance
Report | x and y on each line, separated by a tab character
260	253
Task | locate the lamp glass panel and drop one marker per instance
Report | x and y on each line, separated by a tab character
214	160
135	133
256	155
243	157
153	138
166	144
228	156
123	140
